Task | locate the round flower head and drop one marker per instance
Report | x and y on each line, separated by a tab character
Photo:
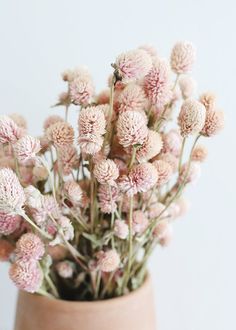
132	98
9	223
170	159
61	134
66	228
9	131
30	247
90	143
65	269
183	205
107	198
131	128
141	178
26	148
92	121
6	249
51	120
157	209
150	50
19	120
214	123
139	223
106	172
57	252
182	57
172	142
26	275
151	147
68	159
81	88
103	97
73	191
164	171
33	197
121	229
133	65
12	197
208	99
108	261
199	153
193	174
187	86
191	117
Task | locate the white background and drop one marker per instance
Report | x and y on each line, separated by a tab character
195	277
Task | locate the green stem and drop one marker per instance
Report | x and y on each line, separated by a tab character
52	286
41	231
45	293
181	154
130	236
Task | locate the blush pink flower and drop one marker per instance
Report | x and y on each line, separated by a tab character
182	57
172	142
9	223
161	229
51	120
199	153
19	120
57	252
184	206
191	117
81	88
133	65
26	275
157	209
157	84
65	269
30	247
208	99
9	131
131	128
107	198
103	97
26	148
214	123
68	159
73	191
12	197
140	222
164	171
6	249
33	197
132	98
61	134
65	227
170	159
121	229
108	261
150	50
151	146
167	236
187	86
106	172
191	174
141	178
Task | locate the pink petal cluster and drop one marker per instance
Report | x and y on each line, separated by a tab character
151	147
150	50
157	84
68	159
182	57
9	223
73	191
65	269
132	98
164	232
214	123
92	126
199	153
156	210
106	172
9	131
191	117
131	128
51	120
141	178
170	159
108	261
107	198
133	65
30	247
172	142
19	120
61	134
121	229
164	171
26	148
6	249
65	226
140	222
190	174
187	86
208	99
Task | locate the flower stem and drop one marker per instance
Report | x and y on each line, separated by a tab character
52	286
41	231
181	154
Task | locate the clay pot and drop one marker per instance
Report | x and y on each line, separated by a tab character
134	311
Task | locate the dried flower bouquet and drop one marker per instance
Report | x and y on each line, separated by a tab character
80	218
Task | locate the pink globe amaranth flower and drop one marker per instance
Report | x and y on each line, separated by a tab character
173	211
151	147
122	167
161	229
65	226
140	222
182	57
141	178
103	97
199	153
30	247
6	249
133	65
106	172
9	223
208	99
157	84
45	144
57	252
131	129
121	229
47	205
9	131
26	275
187	86
214	123
193	174
68	159
164	171
170	159
107	198
92	121
191	117
150	50
12	197
61	134
90	143
19	120
33	197
155	210
65	269
51	120
132	98
73	191
26	148
172	142
184	206
81	87
108	261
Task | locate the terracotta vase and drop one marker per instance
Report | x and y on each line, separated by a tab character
134	311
